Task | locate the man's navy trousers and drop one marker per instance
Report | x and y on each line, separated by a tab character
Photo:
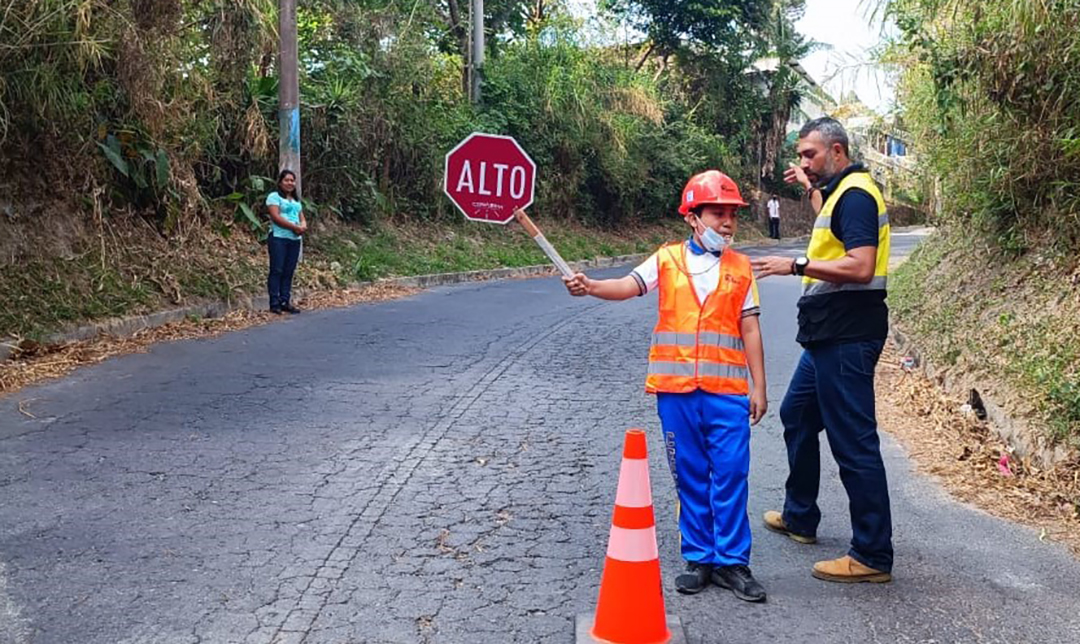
833	389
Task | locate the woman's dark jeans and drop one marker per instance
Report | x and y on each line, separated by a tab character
284	254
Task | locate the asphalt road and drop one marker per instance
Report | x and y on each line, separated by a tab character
440	468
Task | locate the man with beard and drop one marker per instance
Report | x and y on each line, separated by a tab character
843	322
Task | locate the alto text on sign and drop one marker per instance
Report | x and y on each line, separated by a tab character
489	177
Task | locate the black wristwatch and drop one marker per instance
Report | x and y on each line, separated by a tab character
798	267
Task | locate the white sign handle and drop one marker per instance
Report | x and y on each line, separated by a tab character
544	244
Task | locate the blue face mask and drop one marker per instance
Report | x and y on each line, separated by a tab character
710	239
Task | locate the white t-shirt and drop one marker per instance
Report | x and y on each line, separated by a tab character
774	209
704	273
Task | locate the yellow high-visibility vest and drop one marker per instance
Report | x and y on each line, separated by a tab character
825	246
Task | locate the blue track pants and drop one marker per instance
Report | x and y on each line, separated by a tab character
708	440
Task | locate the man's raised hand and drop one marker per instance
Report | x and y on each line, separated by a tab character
795	174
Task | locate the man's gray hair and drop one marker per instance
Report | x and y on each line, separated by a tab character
830	130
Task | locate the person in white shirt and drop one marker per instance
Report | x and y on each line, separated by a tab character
774	217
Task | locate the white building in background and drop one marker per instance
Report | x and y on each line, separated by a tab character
883	145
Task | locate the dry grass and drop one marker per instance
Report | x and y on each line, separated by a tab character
966	456
35	363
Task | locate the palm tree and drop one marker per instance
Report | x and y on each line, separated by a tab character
788	46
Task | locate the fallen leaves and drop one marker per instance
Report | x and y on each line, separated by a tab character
33	362
972	462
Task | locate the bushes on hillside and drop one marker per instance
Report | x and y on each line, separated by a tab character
990	91
184	92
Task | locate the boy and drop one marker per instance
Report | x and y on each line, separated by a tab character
706	339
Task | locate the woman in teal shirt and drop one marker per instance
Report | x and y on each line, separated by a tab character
286	228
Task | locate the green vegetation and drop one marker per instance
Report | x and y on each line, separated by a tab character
171	105
1014	328
989	92
46	296
136	136
990	95
57	292
391	252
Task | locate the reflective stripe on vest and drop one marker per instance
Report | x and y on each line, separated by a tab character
882	221
705	337
709	369
825	246
698	344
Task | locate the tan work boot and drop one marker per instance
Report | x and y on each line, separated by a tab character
775	522
849	571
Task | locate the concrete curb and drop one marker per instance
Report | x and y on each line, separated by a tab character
130	325
443	279
1015	432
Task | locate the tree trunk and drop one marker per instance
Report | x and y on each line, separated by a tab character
537	17
457	28
644	57
776	129
663	68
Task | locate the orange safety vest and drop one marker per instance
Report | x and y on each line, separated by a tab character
699	345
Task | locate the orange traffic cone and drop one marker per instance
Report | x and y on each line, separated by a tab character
630	609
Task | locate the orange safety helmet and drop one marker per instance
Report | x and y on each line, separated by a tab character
710	187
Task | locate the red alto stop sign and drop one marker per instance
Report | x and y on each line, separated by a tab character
488	177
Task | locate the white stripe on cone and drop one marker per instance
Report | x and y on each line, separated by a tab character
634	490
633	546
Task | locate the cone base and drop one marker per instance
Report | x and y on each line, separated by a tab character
584	624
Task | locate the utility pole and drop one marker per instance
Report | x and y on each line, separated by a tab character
288	92
477	49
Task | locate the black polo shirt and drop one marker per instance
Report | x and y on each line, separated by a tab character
846	316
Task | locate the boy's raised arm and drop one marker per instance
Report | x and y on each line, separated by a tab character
622	288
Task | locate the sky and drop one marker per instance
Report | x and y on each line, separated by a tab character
843	27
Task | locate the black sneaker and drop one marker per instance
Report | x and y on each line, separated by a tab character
289	308
694	580
739	580
276	310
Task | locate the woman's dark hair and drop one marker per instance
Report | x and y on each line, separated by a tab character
282	175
